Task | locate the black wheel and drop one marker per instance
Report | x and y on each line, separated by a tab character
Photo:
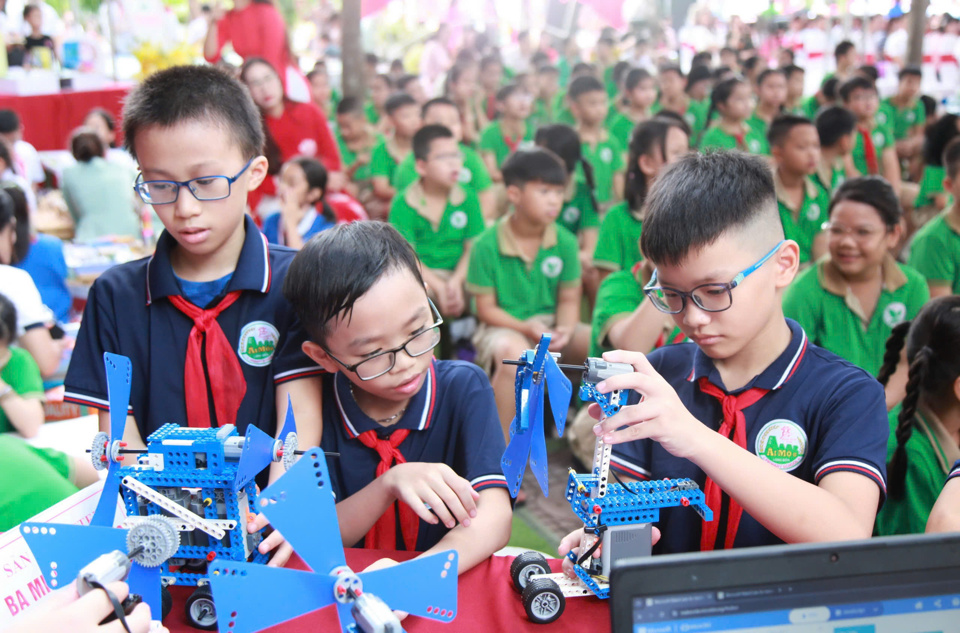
526	565
543	600
166	602
201	614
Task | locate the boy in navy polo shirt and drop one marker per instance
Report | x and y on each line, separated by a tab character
945	516
211	337
801	446
419	439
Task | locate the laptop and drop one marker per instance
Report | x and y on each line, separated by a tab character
905	584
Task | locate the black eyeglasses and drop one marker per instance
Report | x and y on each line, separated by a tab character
380	364
205	188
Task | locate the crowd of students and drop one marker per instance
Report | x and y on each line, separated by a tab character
765	262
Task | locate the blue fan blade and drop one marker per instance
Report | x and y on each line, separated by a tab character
305	490
73	547
541	352
514	460
289	422
118	370
257	454
538	448
559	391
433	595
263	596
107	503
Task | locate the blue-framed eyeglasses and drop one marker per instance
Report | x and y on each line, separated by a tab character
205	188
713	297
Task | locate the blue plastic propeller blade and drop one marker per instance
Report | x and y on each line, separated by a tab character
538	444
559	391
434	595
262	596
72	547
257	454
293	497
289	422
118	370
514	460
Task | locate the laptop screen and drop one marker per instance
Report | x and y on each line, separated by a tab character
859	588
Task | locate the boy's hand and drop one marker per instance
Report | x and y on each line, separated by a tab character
64	610
419	485
274	541
660	416
384	563
455	301
336	181
535	328
571	542
561	338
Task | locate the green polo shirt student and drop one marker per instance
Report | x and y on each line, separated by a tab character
717	138
931	185
822	302
935	251
473	177
493	140
882	137
830	176
43	477
931	451
384	159
578	212
439	245
804	223
23	376
349	158
373	116
620	127
901	120
607	159
618	245
524	287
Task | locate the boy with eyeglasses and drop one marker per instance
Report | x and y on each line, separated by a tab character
439	217
211	338
787	441
419	440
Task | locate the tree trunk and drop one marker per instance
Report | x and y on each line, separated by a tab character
918	27
354	78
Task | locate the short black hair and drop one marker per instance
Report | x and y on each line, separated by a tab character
9	121
951	159
698	74
490	60
8	320
843	48
438	101
635	77
750	63
338	266
781	126
425	137
792	69
936	137
405	80
350	105
703	196
371	58
508	91
769	72
857	82
833	124
30	8
703	58
547	69
870	71
829	88
194	93
396	101
874	191
582	67
583	85
387	79
909	71
670	68
619	70
533	165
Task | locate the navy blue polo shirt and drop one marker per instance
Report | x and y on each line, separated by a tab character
955	471
128	312
822	415
453	421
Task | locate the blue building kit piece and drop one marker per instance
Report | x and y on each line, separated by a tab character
616	517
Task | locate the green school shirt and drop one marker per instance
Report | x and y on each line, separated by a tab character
696	118
492	140
607	159
543	113
618	244
349	157
829	177
811	107
384	159
717	138
820	300
41	476
439	245
579	212
758	125
931	185
901	120
620	127
935	251
882	137
524	288
802	225
21	373
371	111
474	175
930	454
608	81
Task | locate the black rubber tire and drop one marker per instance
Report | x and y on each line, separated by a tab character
526	565
166	603
543	601
199	600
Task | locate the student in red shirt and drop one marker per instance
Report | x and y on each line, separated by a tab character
292	128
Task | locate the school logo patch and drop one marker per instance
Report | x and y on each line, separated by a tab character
911	116
813	212
781	443
606	154
525	145
879	140
458	219
466	176
571	215
552	266
690	119
754	145
258	343
307	147
882	117
894	314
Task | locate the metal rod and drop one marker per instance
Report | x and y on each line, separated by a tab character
521	363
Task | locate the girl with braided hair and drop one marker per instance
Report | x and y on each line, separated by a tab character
925	431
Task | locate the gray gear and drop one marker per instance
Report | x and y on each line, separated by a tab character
157	536
98	450
290	446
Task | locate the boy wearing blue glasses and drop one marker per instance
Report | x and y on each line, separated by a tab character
419	439
787	440
211	337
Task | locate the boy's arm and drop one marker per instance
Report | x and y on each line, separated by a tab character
945	516
568	314
890	168
490	160
488	204
305	395
486	534
131	432
382	188
493	315
639	331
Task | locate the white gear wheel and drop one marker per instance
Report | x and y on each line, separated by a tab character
290	446
98	450
159	539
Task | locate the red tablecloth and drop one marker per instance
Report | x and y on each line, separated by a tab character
487	602
48	120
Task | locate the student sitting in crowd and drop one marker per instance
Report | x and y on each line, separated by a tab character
932	196
21	387
509	132
463	90
356	139
771	97
850	301
905	114
303	212
751	409
935	250
322	94
602	151
731	100
639	95
548	87
873	152
438	217
945	515
836	128
795	76
403	114
381	87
